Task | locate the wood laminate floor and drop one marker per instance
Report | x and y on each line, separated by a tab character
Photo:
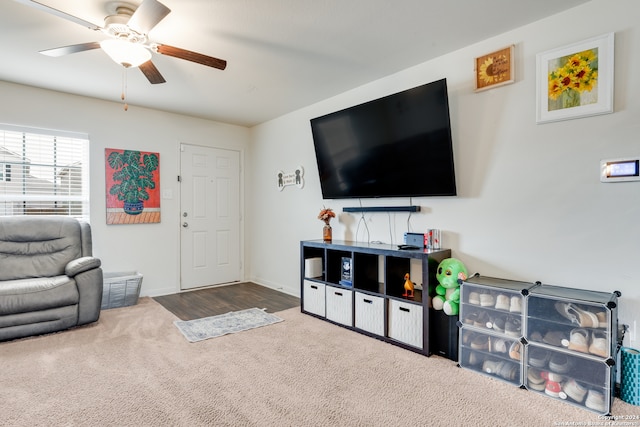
223	299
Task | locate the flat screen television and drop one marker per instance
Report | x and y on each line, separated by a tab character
396	146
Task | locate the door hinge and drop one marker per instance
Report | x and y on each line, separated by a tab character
179	178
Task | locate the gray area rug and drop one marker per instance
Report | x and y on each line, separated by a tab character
232	322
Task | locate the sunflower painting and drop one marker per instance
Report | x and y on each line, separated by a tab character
494	69
573	80
576	80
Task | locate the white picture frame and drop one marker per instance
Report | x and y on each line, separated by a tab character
576	80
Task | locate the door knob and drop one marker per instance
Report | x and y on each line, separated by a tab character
185	225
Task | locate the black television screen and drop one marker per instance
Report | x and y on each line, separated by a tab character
396	146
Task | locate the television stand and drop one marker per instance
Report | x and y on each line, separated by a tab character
373	302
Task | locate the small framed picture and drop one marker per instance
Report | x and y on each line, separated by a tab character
494	69
576	80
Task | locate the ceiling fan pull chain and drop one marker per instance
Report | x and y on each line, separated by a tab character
124	88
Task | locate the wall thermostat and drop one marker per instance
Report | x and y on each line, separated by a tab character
618	170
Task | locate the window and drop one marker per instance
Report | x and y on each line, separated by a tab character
4	167
43	172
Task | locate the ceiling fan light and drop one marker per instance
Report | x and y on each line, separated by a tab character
126	53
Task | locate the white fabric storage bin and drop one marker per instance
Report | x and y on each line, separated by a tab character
120	289
370	313
405	322
314	299
313	267
339	305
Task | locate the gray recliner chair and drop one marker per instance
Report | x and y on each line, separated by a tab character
48	279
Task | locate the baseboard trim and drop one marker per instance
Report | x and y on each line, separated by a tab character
277	287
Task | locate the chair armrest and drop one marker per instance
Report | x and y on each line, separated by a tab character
79	265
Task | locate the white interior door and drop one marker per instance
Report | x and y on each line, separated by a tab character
210	216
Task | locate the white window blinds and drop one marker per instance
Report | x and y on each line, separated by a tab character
43	172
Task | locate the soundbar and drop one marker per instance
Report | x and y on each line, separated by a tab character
382	209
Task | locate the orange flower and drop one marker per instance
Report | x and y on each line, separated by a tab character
326	214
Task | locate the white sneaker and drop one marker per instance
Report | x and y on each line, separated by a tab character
515	305
487	300
498	345
599	343
474	298
595	400
534	379
579	340
502	302
574	390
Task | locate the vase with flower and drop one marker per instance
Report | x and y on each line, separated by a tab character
325	215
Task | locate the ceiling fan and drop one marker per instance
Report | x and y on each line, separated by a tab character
128	44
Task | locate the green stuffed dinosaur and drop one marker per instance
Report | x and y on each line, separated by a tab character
451	272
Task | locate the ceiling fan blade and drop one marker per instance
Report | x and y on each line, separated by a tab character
151	73
74	48
176	52
59	13
147	16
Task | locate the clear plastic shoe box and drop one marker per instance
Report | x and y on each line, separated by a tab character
571	337
491	320
491	354
576	379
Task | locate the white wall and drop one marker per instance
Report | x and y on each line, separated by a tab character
530	205
152	249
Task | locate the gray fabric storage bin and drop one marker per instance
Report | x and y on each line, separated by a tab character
121	289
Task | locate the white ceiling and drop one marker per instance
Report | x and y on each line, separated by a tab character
282	54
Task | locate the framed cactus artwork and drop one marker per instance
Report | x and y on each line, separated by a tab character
575	81
132	186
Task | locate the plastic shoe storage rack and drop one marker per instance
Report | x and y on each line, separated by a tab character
556	341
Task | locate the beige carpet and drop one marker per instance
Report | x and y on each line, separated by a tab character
134	368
